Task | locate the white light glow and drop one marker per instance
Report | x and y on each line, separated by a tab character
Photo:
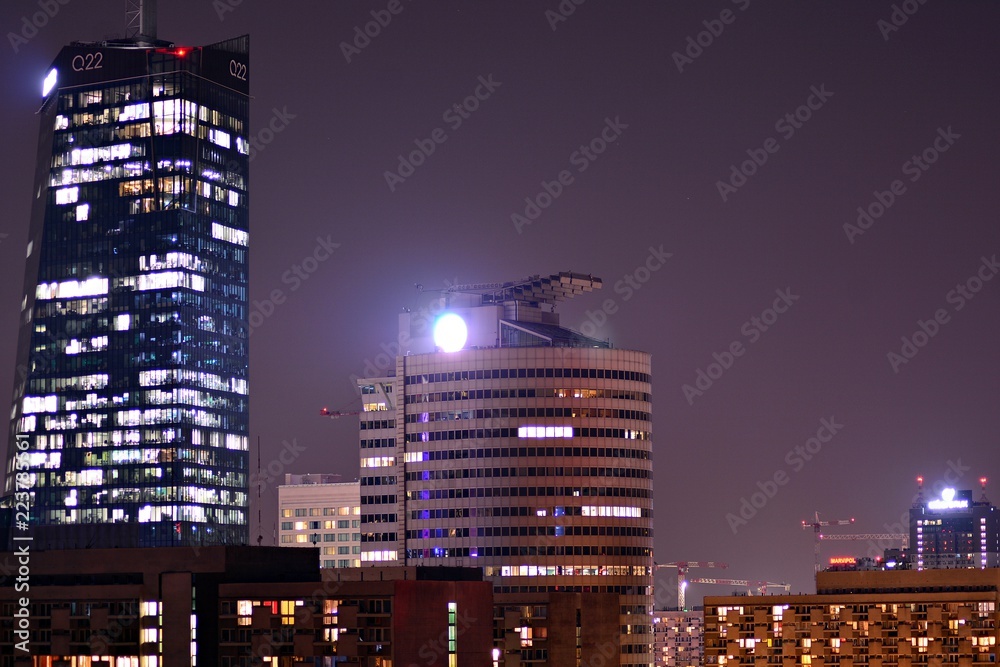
230	234
545	432
50	82
72	289
67	195
450	332
947	501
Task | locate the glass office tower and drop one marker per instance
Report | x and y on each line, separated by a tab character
131	391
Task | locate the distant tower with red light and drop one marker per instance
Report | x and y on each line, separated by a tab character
954	530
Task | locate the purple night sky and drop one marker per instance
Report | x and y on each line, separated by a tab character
822	108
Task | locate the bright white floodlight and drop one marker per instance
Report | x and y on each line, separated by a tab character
50	82
450	332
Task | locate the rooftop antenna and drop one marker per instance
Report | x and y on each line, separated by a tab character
982	484
919	501
140	20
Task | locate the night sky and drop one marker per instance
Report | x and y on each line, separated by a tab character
643	110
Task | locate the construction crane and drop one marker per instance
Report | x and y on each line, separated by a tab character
682	567
902	537
817	526
760	586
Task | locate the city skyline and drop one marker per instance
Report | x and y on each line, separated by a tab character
752	293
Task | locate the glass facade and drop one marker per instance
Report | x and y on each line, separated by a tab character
133	362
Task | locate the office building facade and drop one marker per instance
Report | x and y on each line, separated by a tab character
130	405
321	511
510	443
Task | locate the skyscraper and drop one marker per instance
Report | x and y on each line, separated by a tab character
131	391
954	531
507	441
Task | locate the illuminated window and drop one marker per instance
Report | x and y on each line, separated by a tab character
67	196
134	112
72	289
545	432
378	461
453	634
219	137
604	510
224	233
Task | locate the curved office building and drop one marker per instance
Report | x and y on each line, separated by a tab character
526	451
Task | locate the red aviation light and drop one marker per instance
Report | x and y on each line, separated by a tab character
180	52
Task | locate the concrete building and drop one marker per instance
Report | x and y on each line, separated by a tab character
319	510
508	442
559	629
130	410
954	531
238	607
678	637
876	618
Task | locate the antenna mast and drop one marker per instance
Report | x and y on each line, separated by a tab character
140	20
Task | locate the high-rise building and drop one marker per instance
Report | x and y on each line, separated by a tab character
508	442
319	510
678	637
954	531
131	391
